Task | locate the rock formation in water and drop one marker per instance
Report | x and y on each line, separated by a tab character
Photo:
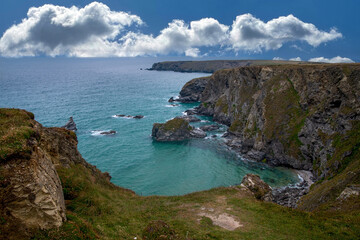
129	116
300	116
31	193
176	129
70	125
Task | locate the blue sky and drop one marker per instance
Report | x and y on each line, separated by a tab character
146	30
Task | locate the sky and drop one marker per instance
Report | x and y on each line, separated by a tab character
309	30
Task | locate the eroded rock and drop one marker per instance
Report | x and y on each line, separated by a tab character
261	190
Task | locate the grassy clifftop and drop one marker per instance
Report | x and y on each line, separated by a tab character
213	65
97	209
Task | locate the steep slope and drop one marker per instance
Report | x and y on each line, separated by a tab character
31	193
305	117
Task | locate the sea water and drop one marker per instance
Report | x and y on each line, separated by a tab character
93	91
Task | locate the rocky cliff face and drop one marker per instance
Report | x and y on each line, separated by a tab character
286	115
300	116
31	193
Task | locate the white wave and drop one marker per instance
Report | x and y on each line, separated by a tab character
98	132
171	105
126	117
204	121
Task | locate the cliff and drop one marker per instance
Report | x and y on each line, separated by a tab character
211	66
31	193
48	191
300	116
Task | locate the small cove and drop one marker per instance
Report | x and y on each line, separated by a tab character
94	90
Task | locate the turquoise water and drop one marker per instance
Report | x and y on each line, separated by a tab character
94	90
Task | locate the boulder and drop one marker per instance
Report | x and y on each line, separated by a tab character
70	125
138	116
191	112
261	190
210	127
198	133
176	129
189	118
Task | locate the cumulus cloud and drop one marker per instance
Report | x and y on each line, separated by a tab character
95	30
278	59
337	59
250	33
55	30
295	59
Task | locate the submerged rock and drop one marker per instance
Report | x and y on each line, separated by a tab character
129	116
261	190
70	125
176	129
111	132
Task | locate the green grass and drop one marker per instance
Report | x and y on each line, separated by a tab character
175	123
99	210
16	128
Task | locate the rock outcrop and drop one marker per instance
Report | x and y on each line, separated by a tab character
258	187
192	90
176	129
70	125
31	193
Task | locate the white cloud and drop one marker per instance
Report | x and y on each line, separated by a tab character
95	30
55	30
295	59
278	59
337	59
252	34
192	52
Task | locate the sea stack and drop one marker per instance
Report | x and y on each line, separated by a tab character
70	125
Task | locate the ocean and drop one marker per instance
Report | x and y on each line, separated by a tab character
93	91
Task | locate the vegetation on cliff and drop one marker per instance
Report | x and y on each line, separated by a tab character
97	209
212	65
